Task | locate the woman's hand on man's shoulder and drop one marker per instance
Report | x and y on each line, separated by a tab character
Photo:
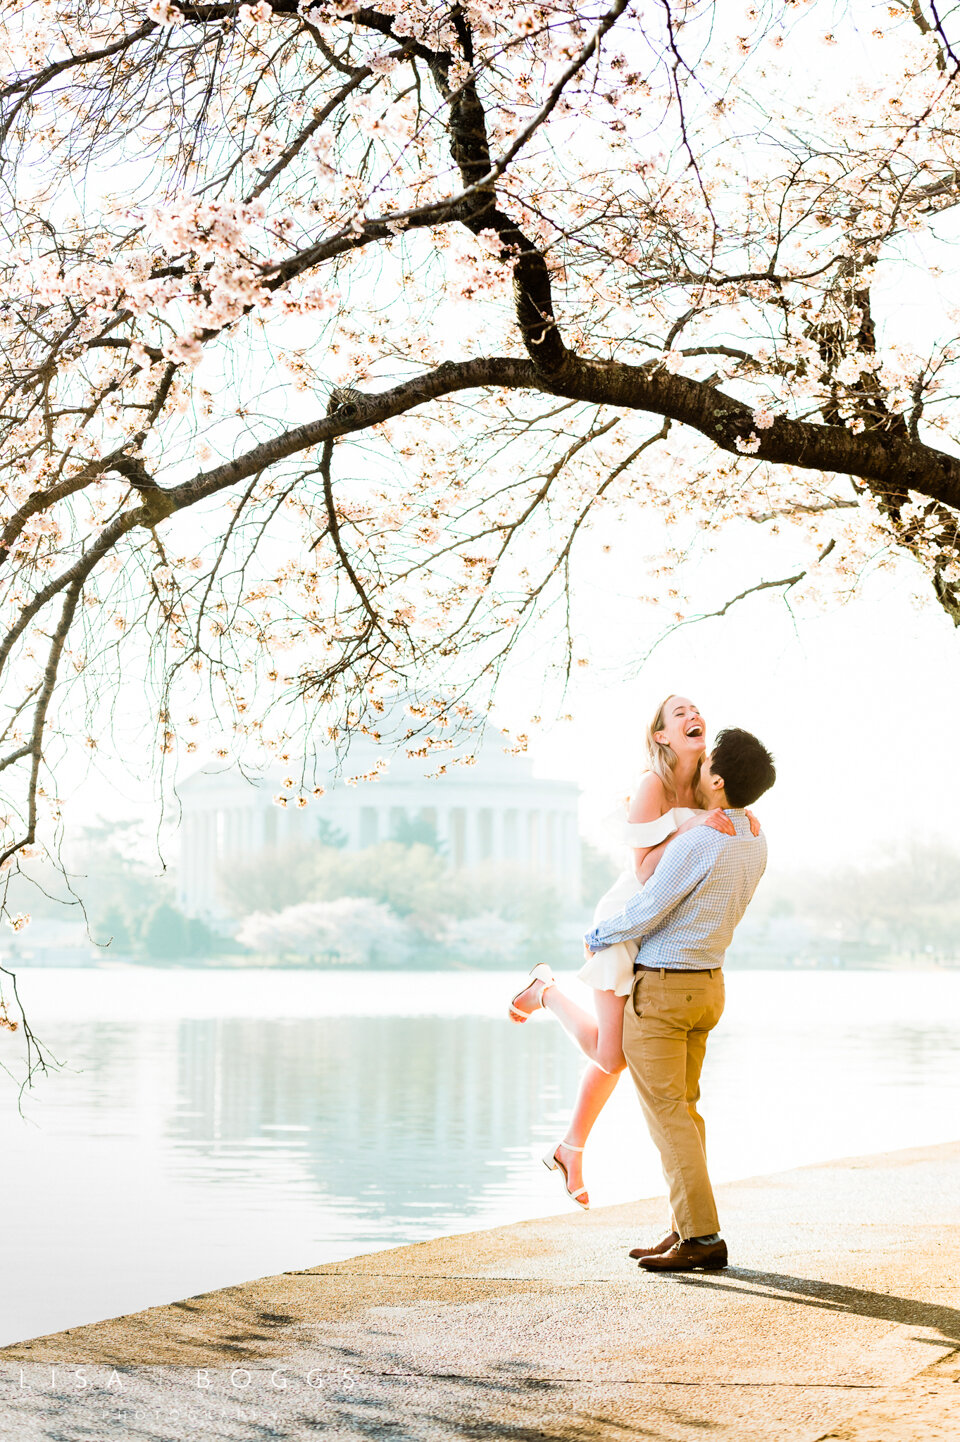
718	820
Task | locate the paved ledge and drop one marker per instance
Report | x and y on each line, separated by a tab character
838	1321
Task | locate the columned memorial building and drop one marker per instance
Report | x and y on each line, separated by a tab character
493	811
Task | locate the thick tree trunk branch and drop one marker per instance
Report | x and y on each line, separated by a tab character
893	463
477	207
886	463
359	414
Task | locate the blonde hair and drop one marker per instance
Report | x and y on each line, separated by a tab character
662	758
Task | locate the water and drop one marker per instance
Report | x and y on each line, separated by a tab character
214	1126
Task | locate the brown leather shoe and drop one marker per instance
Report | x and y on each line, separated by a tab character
670	1240
686	1256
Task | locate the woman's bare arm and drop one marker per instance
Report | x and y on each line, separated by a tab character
651	856
649	803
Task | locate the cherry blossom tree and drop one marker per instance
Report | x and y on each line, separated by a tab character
329	332
352	929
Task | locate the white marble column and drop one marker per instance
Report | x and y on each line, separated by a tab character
444	837
185	877
533	840
471	843
497	846
208	870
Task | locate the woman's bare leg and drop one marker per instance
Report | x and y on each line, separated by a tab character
597	1082
600	1038
575	1020
596	1089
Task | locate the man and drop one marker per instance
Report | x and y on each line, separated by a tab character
684	919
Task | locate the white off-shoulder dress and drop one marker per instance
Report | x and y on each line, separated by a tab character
612	968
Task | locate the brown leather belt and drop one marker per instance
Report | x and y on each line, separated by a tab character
678	970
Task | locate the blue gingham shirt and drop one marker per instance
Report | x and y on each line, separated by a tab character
686	914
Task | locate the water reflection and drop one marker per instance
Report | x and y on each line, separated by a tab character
412	1119
195	1141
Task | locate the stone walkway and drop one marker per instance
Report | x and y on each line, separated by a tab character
837	1321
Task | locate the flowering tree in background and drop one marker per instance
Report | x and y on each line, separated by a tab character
488	937
329	330
353	929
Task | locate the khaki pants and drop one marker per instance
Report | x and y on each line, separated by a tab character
665	1026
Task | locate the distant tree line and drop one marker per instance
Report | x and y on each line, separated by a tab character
396	902
902	906
399	903
129	909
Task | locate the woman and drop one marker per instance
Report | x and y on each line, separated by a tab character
664	804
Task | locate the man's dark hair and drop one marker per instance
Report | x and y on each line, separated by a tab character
744	763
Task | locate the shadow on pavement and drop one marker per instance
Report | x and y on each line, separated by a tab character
832	1297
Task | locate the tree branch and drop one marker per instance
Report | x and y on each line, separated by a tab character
785	584
891	463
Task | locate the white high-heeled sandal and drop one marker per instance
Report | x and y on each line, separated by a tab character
553	1164
542	973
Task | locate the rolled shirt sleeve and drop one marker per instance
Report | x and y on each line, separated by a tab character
683	866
